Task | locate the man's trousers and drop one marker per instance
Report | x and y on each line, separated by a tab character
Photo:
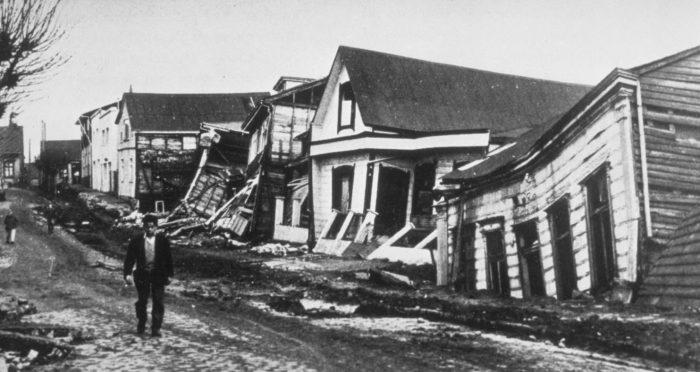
145	288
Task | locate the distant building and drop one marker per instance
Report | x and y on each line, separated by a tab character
11	153
59	162
157	146
98	142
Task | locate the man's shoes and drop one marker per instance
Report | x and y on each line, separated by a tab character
140	328
155	333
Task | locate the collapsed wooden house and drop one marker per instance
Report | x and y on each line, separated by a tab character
266	153
389	127
158	153
579	203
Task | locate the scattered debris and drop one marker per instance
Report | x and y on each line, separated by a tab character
389	278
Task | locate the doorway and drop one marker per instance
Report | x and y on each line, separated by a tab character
496	264
600	236
531	273
466	256
562	250
392	197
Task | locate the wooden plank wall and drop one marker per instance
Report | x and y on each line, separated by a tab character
671	99
287	123
600	142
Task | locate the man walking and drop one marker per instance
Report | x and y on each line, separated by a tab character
154	268
11	223
50	217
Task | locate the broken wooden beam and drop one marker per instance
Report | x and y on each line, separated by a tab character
19	341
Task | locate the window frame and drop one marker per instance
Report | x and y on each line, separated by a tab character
344	90
5	168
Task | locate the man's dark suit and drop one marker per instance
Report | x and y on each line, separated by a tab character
153	281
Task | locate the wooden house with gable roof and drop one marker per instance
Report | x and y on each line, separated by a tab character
158	152
388	127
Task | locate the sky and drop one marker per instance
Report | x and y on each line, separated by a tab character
217	46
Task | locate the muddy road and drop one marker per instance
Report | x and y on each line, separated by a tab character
57	274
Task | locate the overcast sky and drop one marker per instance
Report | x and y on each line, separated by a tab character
206	46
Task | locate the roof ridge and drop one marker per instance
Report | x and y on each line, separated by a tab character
658	63
344	47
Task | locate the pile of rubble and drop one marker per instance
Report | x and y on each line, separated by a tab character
96	202
25	344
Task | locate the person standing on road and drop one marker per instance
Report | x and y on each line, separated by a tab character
11	223
154	268
50	217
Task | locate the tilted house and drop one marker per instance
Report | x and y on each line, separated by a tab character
11	153
388	127
98	147
158	153
279	161
579	202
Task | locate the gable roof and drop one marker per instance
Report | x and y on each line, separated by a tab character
531	145
262	109
12	140
84	117
185	112
412	95
68	150
661	62
672	281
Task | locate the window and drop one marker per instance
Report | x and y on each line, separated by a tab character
8	168
562	252
531	273
600	238
346	107
126	130
342	188
189	143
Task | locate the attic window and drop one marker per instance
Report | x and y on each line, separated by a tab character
346	107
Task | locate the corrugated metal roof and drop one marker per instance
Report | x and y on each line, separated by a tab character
12	140
174	112
407	94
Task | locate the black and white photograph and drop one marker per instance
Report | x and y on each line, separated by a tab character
350	185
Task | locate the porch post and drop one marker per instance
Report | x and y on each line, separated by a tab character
441	262
279	210
296	211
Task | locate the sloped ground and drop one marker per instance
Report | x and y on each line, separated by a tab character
285	282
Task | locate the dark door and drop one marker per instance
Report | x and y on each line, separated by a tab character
600	232
466	277
496	263
564	263
392	197
531	274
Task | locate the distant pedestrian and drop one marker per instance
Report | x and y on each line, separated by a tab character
11	223
150	252
51	216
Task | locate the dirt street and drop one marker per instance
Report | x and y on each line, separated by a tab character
56	273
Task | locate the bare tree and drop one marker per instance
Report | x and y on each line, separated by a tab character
28	31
